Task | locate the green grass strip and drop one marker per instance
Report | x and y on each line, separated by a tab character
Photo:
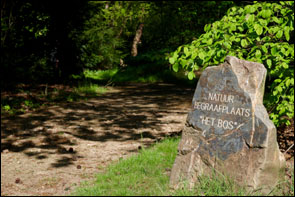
141	174
148	172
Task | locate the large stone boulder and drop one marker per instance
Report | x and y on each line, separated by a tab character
228	129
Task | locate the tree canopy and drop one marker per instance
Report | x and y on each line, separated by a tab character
90	34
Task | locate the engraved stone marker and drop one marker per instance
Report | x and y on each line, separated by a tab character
228	129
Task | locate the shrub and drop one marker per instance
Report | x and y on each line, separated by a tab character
262	32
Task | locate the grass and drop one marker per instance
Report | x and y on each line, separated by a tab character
82	91
147	174
100	74
89	89
143	174
145	73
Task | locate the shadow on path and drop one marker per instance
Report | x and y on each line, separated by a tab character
128	112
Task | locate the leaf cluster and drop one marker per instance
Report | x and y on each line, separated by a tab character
262	32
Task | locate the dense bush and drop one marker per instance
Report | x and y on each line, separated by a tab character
262	32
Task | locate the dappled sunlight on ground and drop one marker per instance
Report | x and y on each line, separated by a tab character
51	143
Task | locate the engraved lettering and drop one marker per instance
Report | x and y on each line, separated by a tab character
221	97
233	111
247	111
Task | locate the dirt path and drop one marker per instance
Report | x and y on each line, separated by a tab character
51	151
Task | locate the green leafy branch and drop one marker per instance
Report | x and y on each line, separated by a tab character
262	32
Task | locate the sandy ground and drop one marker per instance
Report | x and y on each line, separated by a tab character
53	150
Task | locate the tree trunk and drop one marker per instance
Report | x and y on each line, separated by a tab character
136	40
107	5
10	22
